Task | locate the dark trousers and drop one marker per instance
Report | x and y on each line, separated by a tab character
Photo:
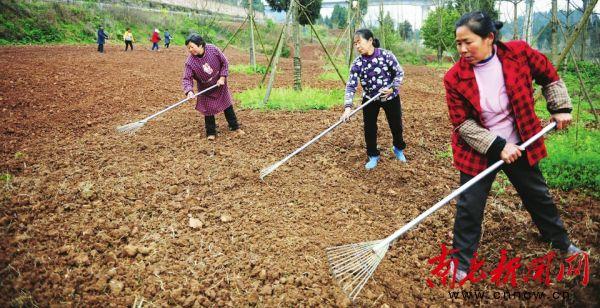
167	45
531	186
128	44
101	47
393	113
154	45
211	126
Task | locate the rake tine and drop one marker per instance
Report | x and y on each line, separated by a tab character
352	288
131	127
346	254
351	270
363	282
349	262
356	272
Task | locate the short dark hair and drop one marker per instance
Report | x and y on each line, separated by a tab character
481	24
196	39
367	34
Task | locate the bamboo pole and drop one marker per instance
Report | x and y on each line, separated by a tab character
277	54
582	23
581	83
261	41
236	32
252	49
262	81
322	45
297	58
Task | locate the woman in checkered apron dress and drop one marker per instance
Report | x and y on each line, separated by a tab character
208	66
489	93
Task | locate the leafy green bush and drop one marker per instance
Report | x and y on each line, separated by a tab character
39	22
573	160
285	51
288	99
574	155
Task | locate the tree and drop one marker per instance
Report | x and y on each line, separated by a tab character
466	6
405	30
436	37
363	7
304	12
339	17
257	5
386	31
311	7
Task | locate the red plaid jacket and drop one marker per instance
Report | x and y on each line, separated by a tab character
520	64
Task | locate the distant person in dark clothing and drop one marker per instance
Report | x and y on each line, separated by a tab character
101	39
168	38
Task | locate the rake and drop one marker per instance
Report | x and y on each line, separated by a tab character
352	265
266	171
131	128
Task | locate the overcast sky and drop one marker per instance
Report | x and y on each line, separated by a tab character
414	14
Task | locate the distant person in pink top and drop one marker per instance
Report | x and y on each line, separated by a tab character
208	66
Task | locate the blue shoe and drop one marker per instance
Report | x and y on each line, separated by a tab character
573	250
399	154
372	163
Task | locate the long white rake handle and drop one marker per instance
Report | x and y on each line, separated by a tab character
388	240
323	133
178	103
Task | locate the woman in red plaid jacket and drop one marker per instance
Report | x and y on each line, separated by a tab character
489	93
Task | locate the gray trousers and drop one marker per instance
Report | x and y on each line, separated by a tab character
531	186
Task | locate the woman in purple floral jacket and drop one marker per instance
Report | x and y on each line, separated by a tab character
378	71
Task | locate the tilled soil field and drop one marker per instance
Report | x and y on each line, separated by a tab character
92	217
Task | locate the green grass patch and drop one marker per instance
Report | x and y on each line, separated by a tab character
500	185
444	65
288	99
445	154
248	69
42	22
573	160
331	74
6	178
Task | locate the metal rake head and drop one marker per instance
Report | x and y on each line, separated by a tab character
352	265
131	128
266	171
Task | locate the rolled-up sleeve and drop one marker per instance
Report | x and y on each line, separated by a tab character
476	136
557	97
